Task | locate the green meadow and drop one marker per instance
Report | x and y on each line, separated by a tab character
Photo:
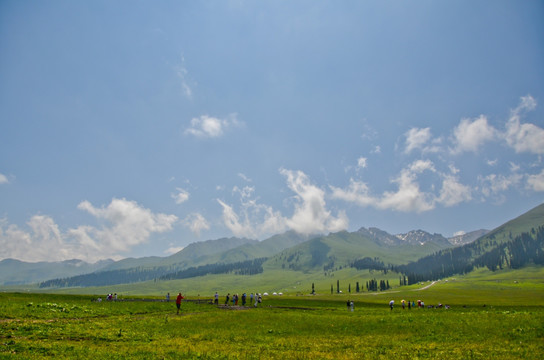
491	316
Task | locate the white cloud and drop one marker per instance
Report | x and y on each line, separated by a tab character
357	192
3	179
126	224
254	219
416	138
244	177
181	72
196	222
536	182
524	137
470	135
211	127
495	184
492	162
362	162
377	150
453	192
310	211
409	196
44	241
173	250
311	214
129	223
181	196
232	221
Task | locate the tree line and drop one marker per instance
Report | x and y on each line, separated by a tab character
248	267
525	248
125	276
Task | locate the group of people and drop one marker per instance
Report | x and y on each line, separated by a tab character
254	299
412	304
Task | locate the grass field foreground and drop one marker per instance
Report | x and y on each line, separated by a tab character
71	326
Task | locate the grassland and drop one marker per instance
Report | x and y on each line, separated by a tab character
509	326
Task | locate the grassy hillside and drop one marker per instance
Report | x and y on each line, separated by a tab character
201	252
259	249
341	249
512	245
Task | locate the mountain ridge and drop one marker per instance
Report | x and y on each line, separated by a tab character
283	251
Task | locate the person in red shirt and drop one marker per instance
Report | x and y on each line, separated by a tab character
178	302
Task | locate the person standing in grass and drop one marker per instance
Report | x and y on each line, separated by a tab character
227	299
216	298
178	302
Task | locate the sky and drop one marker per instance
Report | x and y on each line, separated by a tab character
134	128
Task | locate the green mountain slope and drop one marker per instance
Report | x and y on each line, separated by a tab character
203	252
20	272
342	248
260	249
512	245
197	259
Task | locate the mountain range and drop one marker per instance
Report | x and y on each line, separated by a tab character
417	253
372	241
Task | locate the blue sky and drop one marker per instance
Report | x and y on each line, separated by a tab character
134	128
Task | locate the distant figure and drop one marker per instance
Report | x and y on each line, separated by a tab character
351	305
178	302
391	304
115	297
348	303
409	305
256	301
168	297
216	298
244	296
227	299
236	299
403	303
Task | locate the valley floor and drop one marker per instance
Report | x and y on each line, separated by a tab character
322	327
